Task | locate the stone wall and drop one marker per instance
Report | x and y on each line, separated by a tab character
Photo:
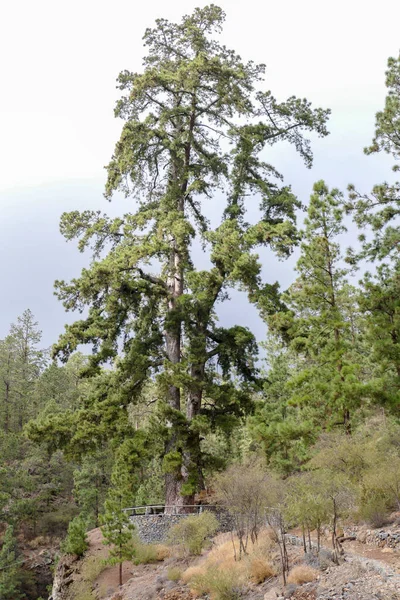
383	538
153	529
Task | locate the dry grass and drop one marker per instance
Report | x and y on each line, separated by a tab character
91	568
150	553
223	577
162	551
302	574
174	574
259	569
219	584
192	572
40	540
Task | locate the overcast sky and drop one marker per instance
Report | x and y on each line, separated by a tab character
59	63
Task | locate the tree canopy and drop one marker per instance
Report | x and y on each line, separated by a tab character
198	124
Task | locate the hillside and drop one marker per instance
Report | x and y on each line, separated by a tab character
366	572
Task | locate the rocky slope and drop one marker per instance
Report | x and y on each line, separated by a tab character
367	572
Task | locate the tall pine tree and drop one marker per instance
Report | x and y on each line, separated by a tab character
318	321
197	127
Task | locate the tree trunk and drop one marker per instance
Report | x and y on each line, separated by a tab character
173	331
173	481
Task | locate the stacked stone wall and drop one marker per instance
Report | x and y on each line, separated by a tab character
153	529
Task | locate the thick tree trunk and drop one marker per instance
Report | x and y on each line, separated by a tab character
173	332
174	480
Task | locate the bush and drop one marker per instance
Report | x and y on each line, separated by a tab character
76	540
302	574
260	569
150	553
220	584
82	589
374	511
192	532
174	574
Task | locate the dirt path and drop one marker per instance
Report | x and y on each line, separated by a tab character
387	556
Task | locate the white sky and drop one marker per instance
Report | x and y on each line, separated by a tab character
59	63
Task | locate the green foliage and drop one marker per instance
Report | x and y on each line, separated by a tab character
10	576
174	574
91	482
218	582
116	527
158	324
192	532
146	554
318	324
76	540
380	210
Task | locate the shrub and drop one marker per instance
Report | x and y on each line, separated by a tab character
374	511
302	574
220	584
163	552
260	569
193	572
150	553
174	574
82	589
192	532
76	540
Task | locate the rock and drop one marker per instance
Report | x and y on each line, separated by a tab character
290	590
272	594
388	550
170	585
362	537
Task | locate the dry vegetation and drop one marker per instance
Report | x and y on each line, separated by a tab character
223	577
302	574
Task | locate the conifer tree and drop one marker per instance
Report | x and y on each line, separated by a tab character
284	434
197	128
317	322
21	363
91	482
9	567
116	526
76	541
381	209
8	378
380	301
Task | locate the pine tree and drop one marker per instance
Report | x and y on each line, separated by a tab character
9	567
91	482
284	433
8	378
196	127
380	209
76	540
21	363
116	526
380	301
318	321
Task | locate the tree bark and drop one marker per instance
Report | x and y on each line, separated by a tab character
173	481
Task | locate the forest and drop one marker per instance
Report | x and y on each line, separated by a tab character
145	398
